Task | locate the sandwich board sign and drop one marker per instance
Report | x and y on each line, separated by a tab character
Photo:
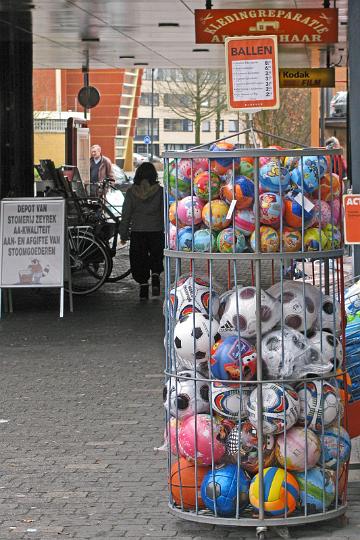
32	243
252	73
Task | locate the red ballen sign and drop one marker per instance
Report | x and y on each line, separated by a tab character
309	26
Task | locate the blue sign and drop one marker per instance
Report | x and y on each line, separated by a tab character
147	139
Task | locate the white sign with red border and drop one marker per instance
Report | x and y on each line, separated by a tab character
252	73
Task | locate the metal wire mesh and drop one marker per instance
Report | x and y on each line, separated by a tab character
256	390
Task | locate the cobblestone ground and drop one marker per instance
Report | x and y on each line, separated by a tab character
81	413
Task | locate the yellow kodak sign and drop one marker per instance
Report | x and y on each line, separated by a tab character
307	77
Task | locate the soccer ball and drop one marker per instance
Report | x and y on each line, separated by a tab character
330	347
244	321
281	493
223	487
183	396
214	215
204	240
274	178
225	360
329	315
269	240
200	439
336	447
202	181
248	447
228	401
299	311
298	443
241	189
192	294
226	240
192	339
271	209
317	489
189	210
244	221
321	405
289	354
185	483
315	240
294	212
280	402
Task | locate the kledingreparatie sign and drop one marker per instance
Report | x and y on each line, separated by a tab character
290	25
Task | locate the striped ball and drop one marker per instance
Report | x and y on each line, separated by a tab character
281	492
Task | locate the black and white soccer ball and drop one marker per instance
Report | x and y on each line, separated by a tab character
289	354
185	394
194	335
329	345
240	313
190	295
300	304
329	315
230	401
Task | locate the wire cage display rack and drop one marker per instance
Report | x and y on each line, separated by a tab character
256	384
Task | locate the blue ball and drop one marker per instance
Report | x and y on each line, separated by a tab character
185	239
311	169
221	487
225	361
320	489
272	178
336	446
203	238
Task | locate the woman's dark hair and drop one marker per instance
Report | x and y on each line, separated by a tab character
146	171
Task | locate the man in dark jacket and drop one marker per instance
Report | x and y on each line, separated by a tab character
100	168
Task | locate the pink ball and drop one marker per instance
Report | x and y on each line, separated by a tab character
263	160
184	168
204	436
200	165
322	213
170	434
245	221
172	236
190	208
336	210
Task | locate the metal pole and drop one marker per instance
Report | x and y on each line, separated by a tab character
152	116
353	106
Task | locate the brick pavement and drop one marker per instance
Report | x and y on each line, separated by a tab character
81	413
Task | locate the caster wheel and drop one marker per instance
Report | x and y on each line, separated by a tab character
260	533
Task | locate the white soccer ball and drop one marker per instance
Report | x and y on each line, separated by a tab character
329	315
280	407
240	313
300	305
289	354
319	404
230	401
330	347
186	394
192	339
192	294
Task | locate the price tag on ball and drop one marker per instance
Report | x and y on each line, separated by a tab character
231	209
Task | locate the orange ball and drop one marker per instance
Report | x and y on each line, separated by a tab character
328	182
184	485
291	239
172	216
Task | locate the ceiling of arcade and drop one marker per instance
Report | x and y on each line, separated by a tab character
130	28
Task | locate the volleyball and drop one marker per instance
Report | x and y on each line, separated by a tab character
281	492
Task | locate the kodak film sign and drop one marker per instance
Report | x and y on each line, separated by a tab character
307	77
290	25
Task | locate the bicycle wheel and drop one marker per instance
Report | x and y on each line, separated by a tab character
120	261
90	262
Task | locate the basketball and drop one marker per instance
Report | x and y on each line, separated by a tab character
185	485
